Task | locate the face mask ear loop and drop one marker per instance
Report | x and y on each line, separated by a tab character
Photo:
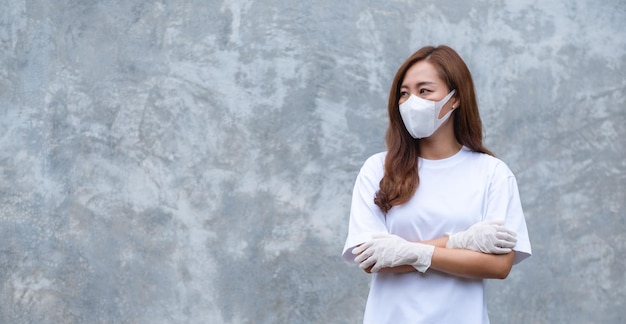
453	92
443	102
447	98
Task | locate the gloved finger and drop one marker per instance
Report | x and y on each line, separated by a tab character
363	255
505	244
359	258
500	250
505	236
359	249
506	230
376	267
367	263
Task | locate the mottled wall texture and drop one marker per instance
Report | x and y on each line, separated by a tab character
193	161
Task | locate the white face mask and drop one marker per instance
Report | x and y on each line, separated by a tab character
420	115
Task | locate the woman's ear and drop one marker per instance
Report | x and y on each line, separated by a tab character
456	102
451	105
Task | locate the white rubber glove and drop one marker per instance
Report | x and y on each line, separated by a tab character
487	237
387	251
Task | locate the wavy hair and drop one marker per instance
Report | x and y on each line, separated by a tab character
401	177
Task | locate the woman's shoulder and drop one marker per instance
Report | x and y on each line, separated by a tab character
377	157
492	163
375	162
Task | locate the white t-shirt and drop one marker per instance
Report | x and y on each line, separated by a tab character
453	194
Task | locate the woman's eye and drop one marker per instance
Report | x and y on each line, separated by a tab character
422	91
404	94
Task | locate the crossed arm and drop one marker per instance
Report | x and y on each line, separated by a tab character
462	263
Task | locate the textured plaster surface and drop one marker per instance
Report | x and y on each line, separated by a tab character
193	161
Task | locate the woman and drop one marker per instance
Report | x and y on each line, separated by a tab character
435	214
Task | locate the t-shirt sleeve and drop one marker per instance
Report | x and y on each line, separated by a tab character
504	200
366	217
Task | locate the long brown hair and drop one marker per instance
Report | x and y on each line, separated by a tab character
401	177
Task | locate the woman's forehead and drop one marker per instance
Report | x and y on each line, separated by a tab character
421	72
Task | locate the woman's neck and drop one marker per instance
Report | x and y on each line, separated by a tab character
441	145
438	152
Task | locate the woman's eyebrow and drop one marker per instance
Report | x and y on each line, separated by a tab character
419	84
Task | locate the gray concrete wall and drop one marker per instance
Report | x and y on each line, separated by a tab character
193	161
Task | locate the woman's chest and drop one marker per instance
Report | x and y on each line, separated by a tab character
444	202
